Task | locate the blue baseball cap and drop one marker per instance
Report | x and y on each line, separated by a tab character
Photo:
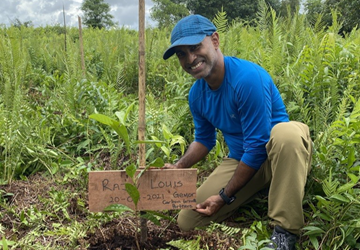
190	30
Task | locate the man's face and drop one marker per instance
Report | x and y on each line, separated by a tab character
199	60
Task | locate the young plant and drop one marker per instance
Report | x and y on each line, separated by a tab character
5	244
335	220
131	188
255	237
171	143
133	191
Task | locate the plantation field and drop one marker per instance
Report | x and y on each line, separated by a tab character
51	133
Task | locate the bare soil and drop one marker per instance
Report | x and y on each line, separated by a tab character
116	234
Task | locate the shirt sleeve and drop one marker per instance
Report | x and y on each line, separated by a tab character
255	113
205	132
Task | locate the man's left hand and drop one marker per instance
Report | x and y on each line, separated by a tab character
211	206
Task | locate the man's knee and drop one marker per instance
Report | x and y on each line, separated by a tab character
287	134
184	225
186	220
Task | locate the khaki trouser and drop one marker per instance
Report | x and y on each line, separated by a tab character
284	173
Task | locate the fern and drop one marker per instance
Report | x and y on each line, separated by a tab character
294	28
220	21
330	186
228	230
262	16
186	244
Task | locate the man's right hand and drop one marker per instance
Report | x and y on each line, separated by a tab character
193	155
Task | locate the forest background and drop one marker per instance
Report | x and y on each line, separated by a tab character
46	98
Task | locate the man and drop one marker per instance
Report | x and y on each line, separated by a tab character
266	149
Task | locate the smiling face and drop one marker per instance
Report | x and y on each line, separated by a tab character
203	60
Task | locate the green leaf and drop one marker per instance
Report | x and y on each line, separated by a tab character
121	116
351	157
133	192
166	151
118	208
158	144
5	243
128	110
354	178
350	240
122	132
115	125
186	244
162	216
248	248
255	214
221	21
104	119
342	239
241	219
312	230
357	223
314	241
22	216
340	198
356	168
131	170
345	187
177	139
322	200
158	162
325	217
166	133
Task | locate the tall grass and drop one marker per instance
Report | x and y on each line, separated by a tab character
43	84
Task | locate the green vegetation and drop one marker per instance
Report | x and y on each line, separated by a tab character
167	12
45	124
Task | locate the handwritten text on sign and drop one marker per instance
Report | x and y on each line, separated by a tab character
160	189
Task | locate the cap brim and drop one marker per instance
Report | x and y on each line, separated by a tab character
189	40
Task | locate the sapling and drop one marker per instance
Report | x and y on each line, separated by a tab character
133	191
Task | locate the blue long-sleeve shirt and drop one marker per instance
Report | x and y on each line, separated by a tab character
245	108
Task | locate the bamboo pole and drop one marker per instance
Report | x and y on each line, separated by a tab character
64	28
142	124
81	48
141	128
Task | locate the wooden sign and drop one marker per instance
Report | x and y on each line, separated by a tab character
160	189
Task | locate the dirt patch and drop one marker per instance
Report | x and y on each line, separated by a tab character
121	233
23	194
117	235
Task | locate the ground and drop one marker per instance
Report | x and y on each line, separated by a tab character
38	191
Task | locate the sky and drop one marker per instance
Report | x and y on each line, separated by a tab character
50	12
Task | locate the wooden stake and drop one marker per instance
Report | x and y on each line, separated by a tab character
64	27
142	124
81	48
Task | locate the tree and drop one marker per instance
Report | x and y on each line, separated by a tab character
289	5
348	11
18	24
313	8
96	14
168	12
238	9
